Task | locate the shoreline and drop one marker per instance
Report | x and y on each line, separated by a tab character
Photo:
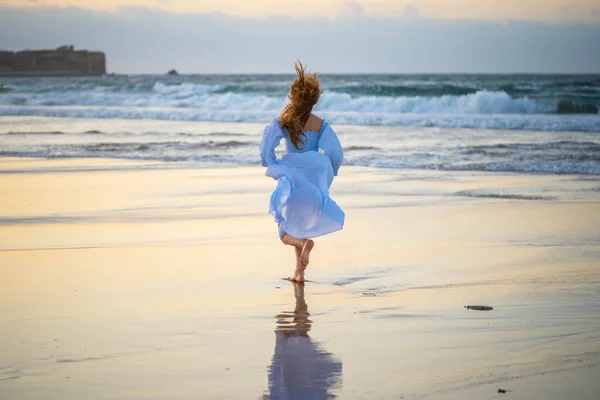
128	163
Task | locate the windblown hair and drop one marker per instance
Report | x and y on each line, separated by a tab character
304	94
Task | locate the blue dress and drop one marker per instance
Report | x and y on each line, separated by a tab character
300	203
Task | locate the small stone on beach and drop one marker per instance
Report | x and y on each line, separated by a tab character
479	308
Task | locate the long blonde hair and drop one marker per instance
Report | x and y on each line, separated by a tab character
304	94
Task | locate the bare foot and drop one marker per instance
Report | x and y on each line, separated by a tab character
305	255
299	272
298	276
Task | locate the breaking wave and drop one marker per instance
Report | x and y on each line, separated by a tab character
468	101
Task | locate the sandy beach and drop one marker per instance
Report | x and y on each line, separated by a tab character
150	280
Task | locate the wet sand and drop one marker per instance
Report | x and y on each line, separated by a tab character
142	280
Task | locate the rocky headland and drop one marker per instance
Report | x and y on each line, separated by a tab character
63	61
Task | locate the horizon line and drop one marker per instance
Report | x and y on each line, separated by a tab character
349	73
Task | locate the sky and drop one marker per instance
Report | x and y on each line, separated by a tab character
335	36
539	10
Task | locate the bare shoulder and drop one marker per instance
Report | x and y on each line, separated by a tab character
313	124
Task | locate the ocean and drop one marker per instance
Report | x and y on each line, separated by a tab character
518	123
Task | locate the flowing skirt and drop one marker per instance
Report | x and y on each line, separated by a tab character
300	203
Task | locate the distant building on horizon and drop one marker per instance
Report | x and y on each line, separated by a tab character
63	61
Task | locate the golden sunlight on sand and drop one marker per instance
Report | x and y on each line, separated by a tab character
144	280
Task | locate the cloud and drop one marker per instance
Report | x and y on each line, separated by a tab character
539	10
411	11
143	40
354	8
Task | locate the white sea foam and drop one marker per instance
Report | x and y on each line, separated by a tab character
545	124
185	89
245	154
375	146
208	97
262	109
495	103
482	102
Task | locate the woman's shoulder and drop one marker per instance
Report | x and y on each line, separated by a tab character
274	127
314	124
275	121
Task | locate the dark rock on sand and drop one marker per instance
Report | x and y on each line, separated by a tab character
479	308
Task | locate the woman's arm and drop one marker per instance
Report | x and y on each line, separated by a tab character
272	135
332	148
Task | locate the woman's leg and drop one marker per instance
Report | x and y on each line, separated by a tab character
305	244
292	241
305	254
298	272
302	249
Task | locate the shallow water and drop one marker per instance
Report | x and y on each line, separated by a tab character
431	148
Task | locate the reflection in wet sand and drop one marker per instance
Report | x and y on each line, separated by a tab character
300	368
